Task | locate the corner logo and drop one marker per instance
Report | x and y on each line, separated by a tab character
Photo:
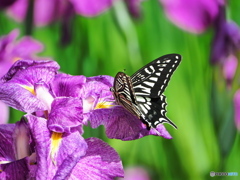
212	174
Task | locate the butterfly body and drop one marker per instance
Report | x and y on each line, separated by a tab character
142	93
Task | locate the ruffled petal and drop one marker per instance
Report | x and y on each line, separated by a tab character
28	72
96	94
17	170
120	124
67	85
20	98
19	82
97	87
66	115
57	153
100	162
6	143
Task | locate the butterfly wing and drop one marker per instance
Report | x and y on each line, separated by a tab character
152	79
124	94
154	110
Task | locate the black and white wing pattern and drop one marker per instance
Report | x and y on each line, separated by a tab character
124	94
153	111
141	94
152	79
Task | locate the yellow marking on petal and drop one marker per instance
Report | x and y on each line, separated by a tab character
16	59
30	89
103	105
56	140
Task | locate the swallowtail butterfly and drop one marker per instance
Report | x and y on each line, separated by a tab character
142	93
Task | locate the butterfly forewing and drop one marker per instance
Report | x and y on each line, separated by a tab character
152	79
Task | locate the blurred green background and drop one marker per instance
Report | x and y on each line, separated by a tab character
198	101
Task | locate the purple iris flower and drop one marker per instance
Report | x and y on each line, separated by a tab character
192	16
55	119
226	38
225	44
25	77
58	106
11	51
46	11
29	84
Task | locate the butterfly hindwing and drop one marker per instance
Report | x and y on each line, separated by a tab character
154	110
152	79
